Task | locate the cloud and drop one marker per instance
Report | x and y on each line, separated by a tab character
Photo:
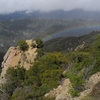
8	6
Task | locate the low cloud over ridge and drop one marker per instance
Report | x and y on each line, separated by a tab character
9	6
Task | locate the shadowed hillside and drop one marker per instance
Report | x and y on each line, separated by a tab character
66	44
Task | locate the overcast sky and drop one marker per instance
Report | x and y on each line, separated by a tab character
8	6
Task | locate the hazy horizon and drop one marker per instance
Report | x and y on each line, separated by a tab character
11	6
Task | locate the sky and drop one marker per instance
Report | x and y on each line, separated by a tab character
9	6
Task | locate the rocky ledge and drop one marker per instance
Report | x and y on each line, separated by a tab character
15	56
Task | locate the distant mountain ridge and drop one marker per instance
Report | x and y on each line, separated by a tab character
57	14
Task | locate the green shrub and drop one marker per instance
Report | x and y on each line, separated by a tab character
29	93
39	43
33	45
22	45
15	78
40	53
46	72
73	92
96	53
77	72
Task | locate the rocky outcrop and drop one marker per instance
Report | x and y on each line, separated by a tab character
15	56
80	46
61	93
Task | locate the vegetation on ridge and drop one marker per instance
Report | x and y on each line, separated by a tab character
22	45
46	72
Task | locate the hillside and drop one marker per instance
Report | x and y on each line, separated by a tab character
66	44
61	44
55	76
30	28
